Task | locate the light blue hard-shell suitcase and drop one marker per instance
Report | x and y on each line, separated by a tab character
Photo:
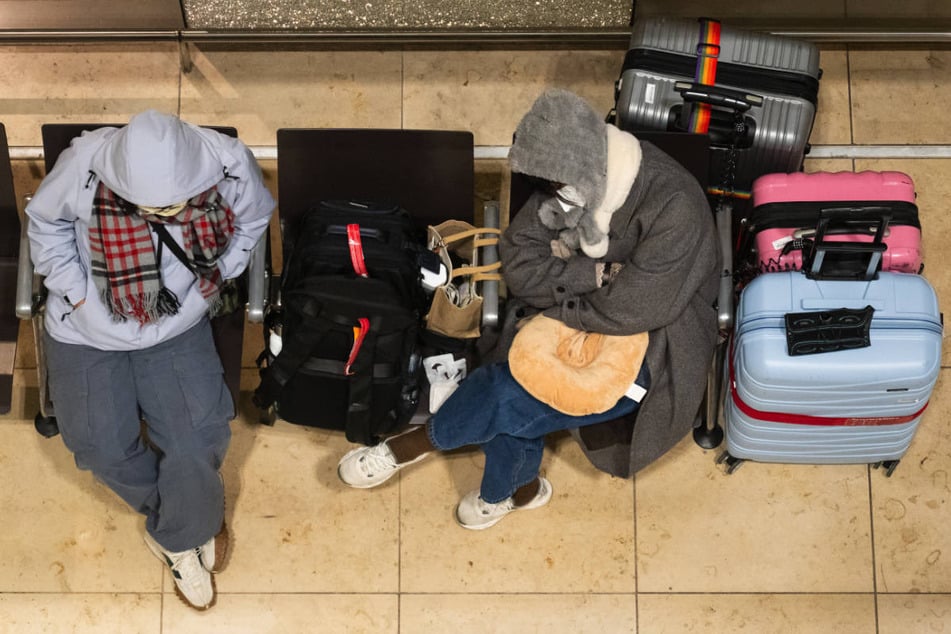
830	371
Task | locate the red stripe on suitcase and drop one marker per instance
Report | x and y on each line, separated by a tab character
805	419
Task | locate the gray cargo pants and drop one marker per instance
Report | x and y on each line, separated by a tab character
178	389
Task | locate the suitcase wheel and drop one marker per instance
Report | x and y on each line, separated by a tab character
732	463
46	426
888	465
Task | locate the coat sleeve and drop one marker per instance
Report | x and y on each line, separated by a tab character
531	272
52	231
672	257
252	205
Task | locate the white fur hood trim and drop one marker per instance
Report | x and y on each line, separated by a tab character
624	162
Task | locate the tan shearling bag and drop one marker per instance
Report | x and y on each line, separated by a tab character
573	371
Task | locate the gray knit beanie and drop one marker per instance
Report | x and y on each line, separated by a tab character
562	139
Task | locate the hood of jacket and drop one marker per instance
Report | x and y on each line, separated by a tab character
562	139
158	160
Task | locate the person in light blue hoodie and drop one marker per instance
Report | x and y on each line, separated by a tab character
135	230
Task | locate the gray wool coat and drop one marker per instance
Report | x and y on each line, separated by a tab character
664	235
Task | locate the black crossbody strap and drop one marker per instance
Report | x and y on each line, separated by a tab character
175	248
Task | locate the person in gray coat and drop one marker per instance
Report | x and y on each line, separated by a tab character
128	336
618	239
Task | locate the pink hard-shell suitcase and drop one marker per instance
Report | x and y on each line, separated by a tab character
787	207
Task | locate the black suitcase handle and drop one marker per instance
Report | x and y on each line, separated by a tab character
729	105
848	260
717	96
381	207
828	331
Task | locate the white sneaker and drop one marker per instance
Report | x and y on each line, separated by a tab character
475	513
367	467
214	552
193	584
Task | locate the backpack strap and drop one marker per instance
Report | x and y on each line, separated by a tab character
295	351
360	369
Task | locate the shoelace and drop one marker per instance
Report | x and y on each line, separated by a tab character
188	569
488	508
378	459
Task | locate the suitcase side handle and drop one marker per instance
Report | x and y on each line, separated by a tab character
848	260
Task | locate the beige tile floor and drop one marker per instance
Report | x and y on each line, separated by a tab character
681	548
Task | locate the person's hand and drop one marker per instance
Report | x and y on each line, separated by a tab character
560	250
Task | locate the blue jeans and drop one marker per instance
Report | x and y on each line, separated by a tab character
490	409
178	388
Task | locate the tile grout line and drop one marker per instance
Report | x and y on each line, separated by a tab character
848	87
528	593
161	619
399	555
871	527
637	596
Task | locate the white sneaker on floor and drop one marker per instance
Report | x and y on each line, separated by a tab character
367	467
475	513
193	584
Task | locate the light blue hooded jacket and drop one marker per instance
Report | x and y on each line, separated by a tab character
156	160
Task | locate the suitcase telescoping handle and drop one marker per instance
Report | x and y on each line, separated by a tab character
727	123
716	96
848	260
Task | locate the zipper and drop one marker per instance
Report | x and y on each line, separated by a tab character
751	78
878	324
806	213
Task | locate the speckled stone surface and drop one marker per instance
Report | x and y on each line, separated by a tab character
299	15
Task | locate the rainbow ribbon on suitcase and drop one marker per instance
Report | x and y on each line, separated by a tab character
708	51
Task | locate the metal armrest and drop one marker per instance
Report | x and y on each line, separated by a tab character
724	223
258	280
24	297
709	434
490	288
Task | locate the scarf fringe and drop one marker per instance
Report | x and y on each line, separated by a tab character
143	308
215	305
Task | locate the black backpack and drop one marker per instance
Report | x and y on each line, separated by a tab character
349	355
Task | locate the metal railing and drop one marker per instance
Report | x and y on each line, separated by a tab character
611	38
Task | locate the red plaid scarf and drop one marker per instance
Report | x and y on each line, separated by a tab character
125	268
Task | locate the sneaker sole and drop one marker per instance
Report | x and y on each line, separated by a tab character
222	549
537	502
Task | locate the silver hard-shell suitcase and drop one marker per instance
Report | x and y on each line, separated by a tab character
771	83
